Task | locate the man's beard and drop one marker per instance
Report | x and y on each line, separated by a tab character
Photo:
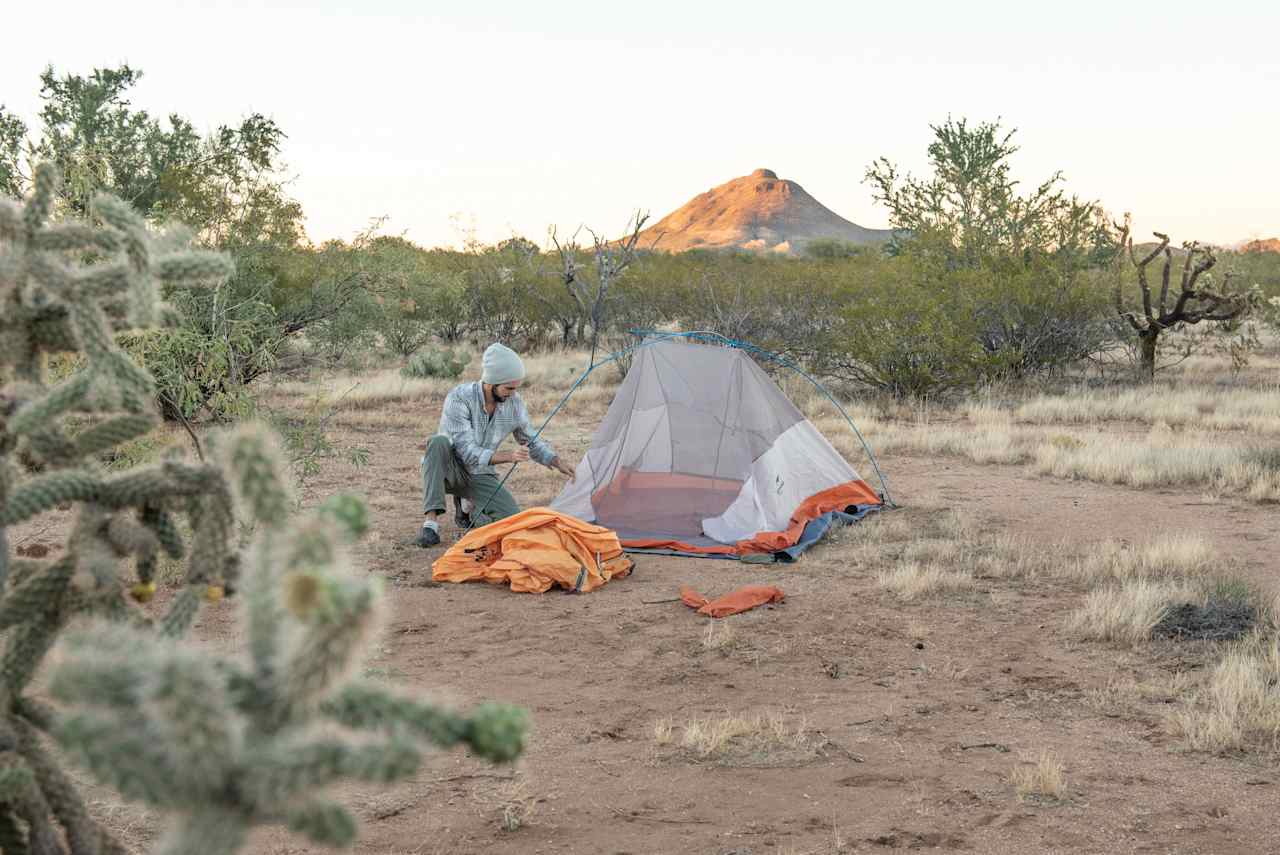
499	397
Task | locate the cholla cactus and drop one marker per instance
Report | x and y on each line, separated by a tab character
227	743
221	745
68	287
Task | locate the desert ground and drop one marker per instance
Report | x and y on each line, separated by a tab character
996	666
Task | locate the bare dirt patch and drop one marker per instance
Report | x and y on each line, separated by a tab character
900	721
914	714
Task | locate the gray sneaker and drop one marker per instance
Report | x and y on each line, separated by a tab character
428	537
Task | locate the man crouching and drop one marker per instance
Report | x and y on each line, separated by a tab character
460	459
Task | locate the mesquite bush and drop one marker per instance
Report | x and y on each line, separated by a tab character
219	744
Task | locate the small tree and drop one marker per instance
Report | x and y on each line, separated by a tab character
226	185
971	210
501	301
1036	302
1191	305
590	287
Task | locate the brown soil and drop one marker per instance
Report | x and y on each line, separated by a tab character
760	212
914	714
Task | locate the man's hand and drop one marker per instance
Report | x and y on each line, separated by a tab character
518	455
560	466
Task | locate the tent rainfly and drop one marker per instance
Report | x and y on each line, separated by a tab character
702	454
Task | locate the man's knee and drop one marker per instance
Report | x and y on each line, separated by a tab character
439	445
439	455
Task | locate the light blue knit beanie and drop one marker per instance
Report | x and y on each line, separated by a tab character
500	365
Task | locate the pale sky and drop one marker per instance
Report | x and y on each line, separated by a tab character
507	117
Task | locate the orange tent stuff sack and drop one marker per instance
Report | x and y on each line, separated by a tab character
534	550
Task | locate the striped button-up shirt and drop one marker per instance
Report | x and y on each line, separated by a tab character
476	435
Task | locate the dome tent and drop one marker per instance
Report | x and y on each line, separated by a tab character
701	453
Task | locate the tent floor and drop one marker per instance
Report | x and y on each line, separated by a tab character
649	507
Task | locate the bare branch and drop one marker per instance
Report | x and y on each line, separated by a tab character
1133	321
1125	242
1209	261
656	239
1142	273
1191	307
1192	248
1164	279
1189	283
569	268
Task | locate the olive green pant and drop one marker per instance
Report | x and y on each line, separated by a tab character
443	473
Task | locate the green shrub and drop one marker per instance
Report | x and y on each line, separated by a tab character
832	248
904	330
445	363
1032	316
405	316
346	336
197	373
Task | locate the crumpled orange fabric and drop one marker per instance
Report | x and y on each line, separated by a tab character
741	600
533	550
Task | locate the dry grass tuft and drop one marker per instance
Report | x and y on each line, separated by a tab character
713	736
948	523
1239	708
878	529
1126	699
996	443
927	549
933	551
759	740
1164	459
912	581
1255	411
1042	782
1178	577
720	636
1128	613
1185	454
1004	556
517	805
1174	556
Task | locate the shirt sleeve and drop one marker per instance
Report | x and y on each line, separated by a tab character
456	424
523	432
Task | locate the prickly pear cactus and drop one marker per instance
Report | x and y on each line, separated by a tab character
221	745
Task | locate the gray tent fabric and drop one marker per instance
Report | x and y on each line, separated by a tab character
700	447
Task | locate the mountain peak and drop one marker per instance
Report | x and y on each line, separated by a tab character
760	212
